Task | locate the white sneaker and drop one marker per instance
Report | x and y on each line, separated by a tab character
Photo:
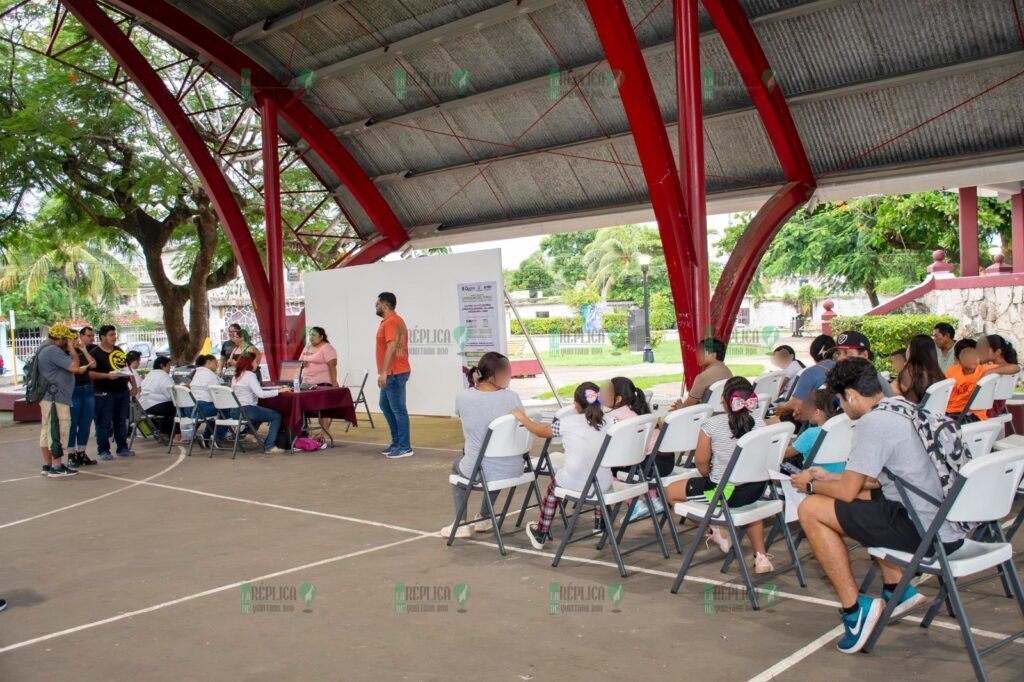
763	563
483	525
274	451
461	532
715	536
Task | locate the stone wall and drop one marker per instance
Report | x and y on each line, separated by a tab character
988	310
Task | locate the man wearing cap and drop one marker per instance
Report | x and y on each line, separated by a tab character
809	380
57	361
856	345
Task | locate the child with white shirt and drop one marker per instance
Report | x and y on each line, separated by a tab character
582	435
206	376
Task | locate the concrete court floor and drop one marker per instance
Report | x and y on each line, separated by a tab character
133	571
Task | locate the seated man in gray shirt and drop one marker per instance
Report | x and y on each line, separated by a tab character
863	502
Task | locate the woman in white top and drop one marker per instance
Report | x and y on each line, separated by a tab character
784	358
715	449
206	376
155	394
248	391
582	435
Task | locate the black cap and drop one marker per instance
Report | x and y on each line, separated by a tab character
851	341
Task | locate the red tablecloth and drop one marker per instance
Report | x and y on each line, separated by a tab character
335	403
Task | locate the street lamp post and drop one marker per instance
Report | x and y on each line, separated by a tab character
645	265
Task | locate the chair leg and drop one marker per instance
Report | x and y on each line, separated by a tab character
666	517
534	489
238	434
494	522
568	533
933	610
965	629
657	526
368	415
170	438
742	533
691	552
611	535
459	515
792	551
195	434
738	552
504	509
869	579
1012	530
890	606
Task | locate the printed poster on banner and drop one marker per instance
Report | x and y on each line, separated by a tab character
479	330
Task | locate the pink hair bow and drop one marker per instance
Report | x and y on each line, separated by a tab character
737	403
592	396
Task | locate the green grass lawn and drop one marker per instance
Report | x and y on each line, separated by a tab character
645	382
666	352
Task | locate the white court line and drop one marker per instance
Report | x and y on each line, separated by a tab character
23	478
797	656
339	441
204	593
181	458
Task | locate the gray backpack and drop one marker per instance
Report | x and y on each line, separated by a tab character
37	387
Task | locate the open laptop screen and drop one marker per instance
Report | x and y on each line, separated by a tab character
290	370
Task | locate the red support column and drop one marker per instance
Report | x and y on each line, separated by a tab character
615	31
104	30
274	346
691	150
968	231
1017	231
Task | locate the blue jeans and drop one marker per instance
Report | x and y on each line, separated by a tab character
205	408
112	414
257	415
83	408
392	404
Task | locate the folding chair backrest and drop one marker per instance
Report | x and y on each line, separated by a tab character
981	436
648	394
1006	387
507	437
223	398
681	428
836	441
356	378
713	396
625	443
182	398
984	393
770	383
759	452
661	404
764	401
990	488
791	386
936	398
566	411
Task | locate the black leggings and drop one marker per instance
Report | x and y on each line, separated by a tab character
665	462
164	412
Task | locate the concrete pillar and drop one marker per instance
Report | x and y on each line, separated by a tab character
1017	233
968	231
826	317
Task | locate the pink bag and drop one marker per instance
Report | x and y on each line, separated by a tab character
307	444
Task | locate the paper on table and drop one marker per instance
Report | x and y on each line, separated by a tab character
792	496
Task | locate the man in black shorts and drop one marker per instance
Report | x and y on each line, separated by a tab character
863	503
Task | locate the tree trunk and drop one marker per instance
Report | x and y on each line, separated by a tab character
869	289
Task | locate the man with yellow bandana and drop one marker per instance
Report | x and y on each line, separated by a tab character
112	398
57	361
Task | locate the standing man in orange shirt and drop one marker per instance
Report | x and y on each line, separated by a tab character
392	374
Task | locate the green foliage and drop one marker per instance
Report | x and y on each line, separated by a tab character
888	333
565	253
890	286
663	313
656	338
613	265
616	325
579	297
533	275
549	325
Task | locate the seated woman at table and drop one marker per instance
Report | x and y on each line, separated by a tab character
155	395
248	391
486	399
319	360
206	376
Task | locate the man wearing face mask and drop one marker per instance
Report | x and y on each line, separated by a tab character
392	374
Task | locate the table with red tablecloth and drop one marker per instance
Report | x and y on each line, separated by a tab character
332	403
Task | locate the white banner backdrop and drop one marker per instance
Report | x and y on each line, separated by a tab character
442	299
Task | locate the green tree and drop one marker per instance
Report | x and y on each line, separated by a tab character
565	253
533	274
613	264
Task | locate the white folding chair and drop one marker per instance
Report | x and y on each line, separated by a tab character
506	437
834	443
770	383
648	395
757	454
982	492
625	445
355	381
983	398
787	392
186	414
230	414
137	416
980	437
713	396
1004	392
936	397
661	404
545	464
764	401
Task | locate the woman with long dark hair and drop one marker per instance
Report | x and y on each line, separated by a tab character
486	399
921	370
998	356
715	448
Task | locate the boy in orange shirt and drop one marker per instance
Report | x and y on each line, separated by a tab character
966	372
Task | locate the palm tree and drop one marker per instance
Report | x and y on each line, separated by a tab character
93	271
612	257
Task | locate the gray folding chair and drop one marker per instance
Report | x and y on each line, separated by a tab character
625	445
506	437
982	492
757	454
355	381
230	414
137	416
186	415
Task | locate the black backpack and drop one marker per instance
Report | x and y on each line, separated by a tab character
37	387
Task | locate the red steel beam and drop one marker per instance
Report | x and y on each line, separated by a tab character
104	30
188	31
275	345
614	29
746	52
1017	230
691	147
968	210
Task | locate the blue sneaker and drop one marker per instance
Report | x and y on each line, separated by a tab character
640	511
911	599
388	449
105	456
859	624
125	453
398	453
